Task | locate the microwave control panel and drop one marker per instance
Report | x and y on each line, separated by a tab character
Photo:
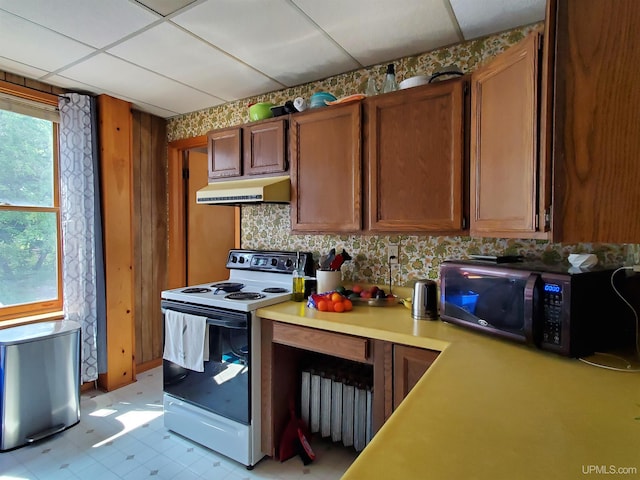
552	325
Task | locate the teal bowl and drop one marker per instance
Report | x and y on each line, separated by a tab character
260	111
318	98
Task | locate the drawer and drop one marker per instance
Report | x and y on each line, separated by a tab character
321	341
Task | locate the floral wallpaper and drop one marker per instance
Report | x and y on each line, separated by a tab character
268	226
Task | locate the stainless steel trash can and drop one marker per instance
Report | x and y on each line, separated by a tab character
39	381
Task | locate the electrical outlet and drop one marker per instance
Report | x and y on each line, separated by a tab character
393	253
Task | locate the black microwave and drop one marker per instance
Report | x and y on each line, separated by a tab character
572	313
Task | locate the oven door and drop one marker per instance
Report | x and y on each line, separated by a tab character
224	386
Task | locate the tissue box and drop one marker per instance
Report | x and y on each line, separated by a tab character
583	260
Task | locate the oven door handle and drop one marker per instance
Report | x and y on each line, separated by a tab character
235	324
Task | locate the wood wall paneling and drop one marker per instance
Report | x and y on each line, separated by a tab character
30	83
150	234
115	130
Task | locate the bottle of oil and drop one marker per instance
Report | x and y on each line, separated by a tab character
298	281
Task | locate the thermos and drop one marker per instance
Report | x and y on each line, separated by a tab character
425	300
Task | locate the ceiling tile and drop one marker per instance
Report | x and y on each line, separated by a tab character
95	22
238	48
274	37
168	50
73	85
20	69
373	33
42	48
165	7
152	109
111	74
477	19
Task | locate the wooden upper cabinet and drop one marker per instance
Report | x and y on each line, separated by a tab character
326	169
264	147
258	148
596	143
504	177
415	159
224	152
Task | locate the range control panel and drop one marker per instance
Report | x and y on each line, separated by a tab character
552	325
269	261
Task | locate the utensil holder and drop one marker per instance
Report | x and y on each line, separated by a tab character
328	280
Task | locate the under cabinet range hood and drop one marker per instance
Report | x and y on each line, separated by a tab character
247	190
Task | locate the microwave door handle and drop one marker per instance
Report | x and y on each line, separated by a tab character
532	295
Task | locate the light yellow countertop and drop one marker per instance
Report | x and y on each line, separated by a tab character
490	409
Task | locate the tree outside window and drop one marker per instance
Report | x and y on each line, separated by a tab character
29	216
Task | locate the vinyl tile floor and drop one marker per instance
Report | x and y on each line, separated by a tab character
121	436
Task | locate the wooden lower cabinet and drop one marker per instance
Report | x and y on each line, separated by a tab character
284	348
283	351
409	364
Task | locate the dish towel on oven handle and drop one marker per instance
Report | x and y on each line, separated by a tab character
186	340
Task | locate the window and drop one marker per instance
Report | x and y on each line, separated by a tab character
30	253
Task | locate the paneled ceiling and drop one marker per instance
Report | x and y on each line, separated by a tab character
170	57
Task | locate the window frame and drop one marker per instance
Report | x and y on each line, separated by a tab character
52	307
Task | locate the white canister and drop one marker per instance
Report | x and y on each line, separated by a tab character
328	280
300	104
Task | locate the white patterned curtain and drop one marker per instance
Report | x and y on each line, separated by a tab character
83	265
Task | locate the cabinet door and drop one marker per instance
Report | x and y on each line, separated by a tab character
504	143
264	147
326	170
415	159
596	141
224	152
409	364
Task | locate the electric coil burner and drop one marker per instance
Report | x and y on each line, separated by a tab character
196	290
219	407
228	287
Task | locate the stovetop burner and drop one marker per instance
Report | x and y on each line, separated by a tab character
275	290
228	287
245	296
196	290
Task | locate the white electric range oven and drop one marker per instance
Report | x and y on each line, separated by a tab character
219	407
